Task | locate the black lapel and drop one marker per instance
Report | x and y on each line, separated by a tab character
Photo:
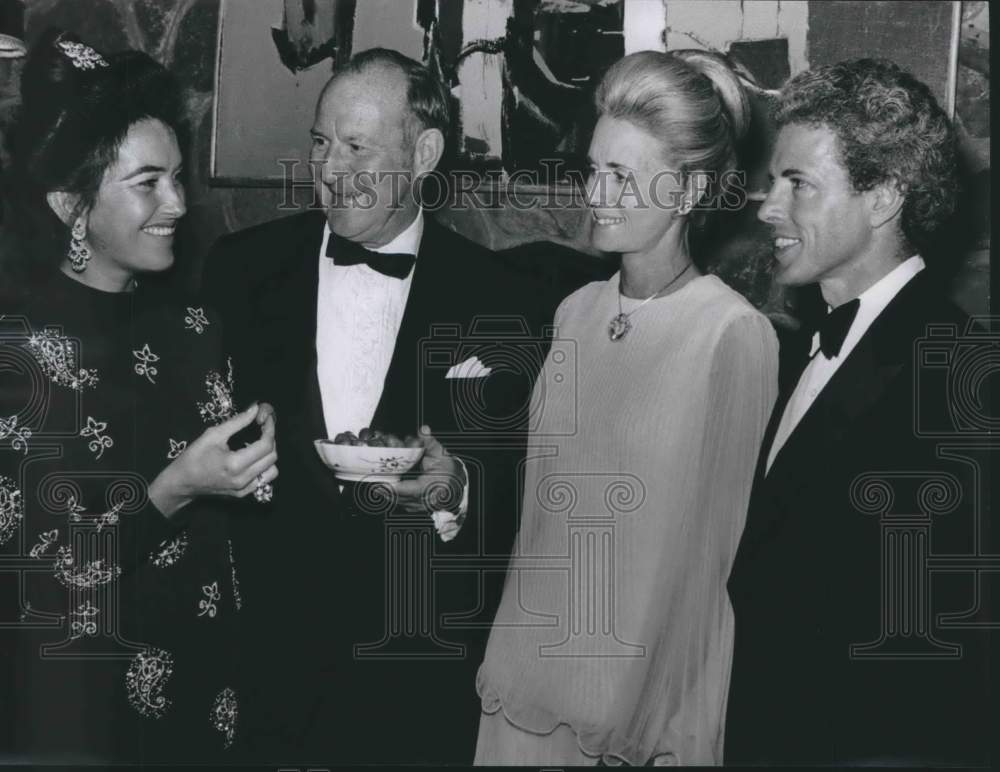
793	359
813	447
297	294
284	291
794	356
404	398
883	355
287	256
301	295
877	359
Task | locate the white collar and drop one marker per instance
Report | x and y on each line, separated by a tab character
406	243
874	300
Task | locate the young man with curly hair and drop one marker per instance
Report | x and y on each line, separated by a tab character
849	648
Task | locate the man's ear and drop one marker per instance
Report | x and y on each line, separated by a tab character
885	201
65	205
427	150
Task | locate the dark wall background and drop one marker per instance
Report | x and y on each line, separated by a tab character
182	35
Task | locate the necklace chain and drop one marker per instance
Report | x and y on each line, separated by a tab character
620	324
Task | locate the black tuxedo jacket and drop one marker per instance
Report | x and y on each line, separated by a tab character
841	653
372	628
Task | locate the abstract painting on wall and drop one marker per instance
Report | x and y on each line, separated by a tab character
272	61
524	73
521	73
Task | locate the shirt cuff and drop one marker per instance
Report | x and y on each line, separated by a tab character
447	524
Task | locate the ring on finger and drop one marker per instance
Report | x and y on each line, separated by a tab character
264	491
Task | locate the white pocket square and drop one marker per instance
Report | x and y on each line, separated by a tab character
470	368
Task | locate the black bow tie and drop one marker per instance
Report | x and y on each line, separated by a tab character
833	329
347	252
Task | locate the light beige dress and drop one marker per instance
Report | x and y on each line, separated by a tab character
614	635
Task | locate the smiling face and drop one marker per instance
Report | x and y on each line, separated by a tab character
633	193
363	162
822	226
130	227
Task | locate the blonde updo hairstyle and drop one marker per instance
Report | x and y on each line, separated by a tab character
694	102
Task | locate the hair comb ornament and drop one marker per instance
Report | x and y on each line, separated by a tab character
82	56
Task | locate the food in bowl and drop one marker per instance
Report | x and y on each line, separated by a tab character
370	455
373	438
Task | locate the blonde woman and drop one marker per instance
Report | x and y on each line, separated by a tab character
613	640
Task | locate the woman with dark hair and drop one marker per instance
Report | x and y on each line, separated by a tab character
613	640
116	414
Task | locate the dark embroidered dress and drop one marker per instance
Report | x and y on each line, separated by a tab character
119	624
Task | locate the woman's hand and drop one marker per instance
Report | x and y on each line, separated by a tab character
265	419
209	468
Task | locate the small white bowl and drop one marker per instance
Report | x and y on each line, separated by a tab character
361	463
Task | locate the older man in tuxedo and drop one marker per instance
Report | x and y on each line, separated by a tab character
371	613
839	656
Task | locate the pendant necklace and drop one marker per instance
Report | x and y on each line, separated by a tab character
620	324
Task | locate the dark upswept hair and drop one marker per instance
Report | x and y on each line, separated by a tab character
889	127
70	126
426	96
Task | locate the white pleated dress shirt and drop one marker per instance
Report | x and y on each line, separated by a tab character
358	315
820	370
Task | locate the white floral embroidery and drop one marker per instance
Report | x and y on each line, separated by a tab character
220	405
207	604
170	551
76	513
225	714
110	517
8	428
74	510
96	430
46	540
237	598
196	320
57	357
145	680
12	510
83	620
145	364
89	575
176	448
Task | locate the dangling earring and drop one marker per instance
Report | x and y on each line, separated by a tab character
79	254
